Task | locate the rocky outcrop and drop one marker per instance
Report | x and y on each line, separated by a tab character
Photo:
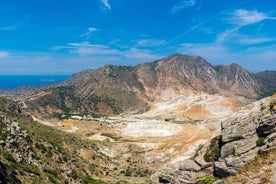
186	171
16	143
245	133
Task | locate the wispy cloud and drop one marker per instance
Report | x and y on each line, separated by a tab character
106	4
244	39
85	49
242	17
254	58
89	31
141	55
8	28
149	42
17	24
183	4
4	54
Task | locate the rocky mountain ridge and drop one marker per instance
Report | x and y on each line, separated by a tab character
120	89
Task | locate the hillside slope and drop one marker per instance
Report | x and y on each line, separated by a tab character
33	152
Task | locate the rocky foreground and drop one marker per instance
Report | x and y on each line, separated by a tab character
249	132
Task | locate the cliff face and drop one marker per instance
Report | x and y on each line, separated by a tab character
245	133
120	89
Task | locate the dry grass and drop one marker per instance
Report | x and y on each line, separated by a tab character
256	171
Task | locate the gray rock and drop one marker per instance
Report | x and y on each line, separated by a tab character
267	127
222	170
237	130
189	165
237	163
238	147
240	133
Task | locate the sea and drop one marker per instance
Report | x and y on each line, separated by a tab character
15	81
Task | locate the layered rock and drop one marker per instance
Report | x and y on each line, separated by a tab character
245	133
186	171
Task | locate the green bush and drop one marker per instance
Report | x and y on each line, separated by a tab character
213	152
31	169
51	171
260	141
272	102
41	147
209	179
89	180
3	134
128	173
9	157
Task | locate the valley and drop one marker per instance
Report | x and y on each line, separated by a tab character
134	143
172	120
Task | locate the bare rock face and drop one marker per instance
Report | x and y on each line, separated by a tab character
244	134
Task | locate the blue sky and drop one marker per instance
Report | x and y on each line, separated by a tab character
66	36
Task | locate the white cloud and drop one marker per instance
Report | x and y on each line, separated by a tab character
4	54
86	48
149	42
226	35
183	4
17	24
89	31
243	39
242	17
254	59
211	52
141	54
106	4
92	29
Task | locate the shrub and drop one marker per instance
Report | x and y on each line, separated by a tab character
31	169
209	179
41	147
213	152
260	141
9	157
128	173
272	103
51	171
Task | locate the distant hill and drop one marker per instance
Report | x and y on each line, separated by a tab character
269	77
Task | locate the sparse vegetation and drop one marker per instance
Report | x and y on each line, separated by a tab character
272	103
213	152
260	141
46	145
209	179
258	168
